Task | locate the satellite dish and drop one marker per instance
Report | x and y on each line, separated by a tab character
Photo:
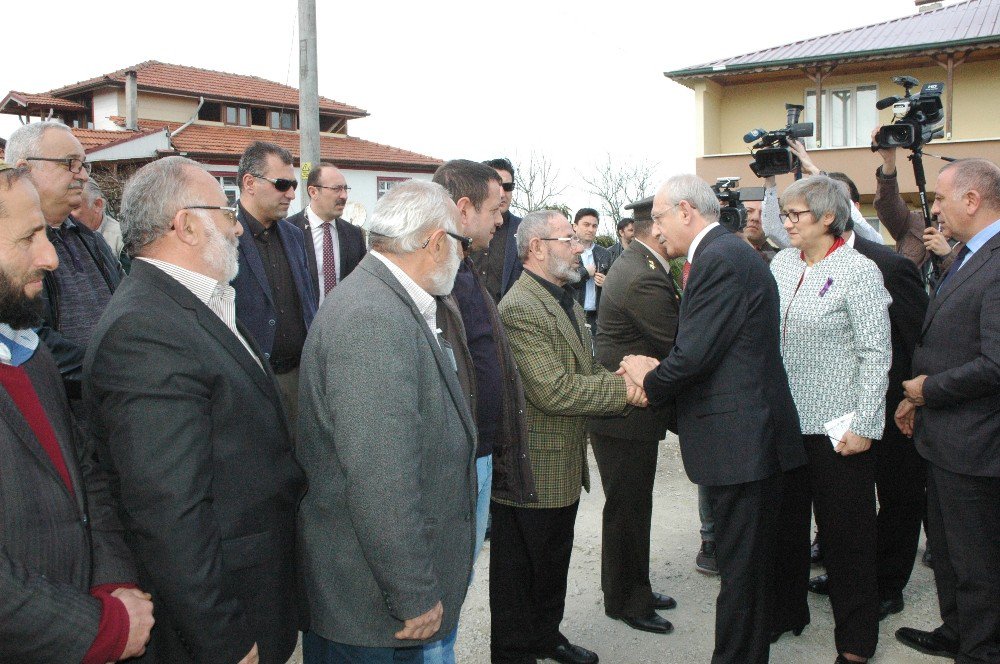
355	213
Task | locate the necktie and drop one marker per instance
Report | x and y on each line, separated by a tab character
329	261
684	274
962	253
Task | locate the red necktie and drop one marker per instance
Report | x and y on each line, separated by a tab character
684	274
329	261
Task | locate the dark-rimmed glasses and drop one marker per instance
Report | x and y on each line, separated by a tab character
507	186
339	189
73	164
230	212
794	215
281	184
466	242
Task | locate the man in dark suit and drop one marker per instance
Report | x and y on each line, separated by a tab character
498	266
736	420
594	263
333	245
900	477
638	316
952	409
189	423
67	590
275	299
387	528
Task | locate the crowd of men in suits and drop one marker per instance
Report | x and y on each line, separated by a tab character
271	425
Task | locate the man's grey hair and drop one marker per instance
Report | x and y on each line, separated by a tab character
151	199
26	141
695	191
404	217
980	175
535	224
822	195
91	192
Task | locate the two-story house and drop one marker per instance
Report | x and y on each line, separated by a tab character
134	115
957	44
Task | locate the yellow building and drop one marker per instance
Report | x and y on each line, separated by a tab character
957	44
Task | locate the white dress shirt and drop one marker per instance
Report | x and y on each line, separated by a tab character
426	304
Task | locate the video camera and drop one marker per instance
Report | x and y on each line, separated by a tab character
915	117
732	212
771	155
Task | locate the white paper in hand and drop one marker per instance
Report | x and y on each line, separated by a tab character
836	428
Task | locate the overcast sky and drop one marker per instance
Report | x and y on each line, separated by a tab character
575	81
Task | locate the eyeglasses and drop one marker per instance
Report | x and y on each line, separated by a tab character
794	215
339	189
281	184
570	240
507	186
230	212
656	216
466	242
72	164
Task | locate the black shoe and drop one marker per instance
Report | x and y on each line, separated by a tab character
651	623
567	653
797	631
815	553
820	584
927	559
663	602
929	643
889	606
705	562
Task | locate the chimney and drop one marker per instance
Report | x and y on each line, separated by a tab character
926	5
131	100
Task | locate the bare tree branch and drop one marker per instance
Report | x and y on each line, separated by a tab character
616	184
537	185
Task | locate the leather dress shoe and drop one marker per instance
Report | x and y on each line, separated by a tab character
651	623
890	605
797	631
705	561
567	653
663	602
820	584
929	643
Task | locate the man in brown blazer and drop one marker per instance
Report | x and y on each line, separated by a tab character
638	316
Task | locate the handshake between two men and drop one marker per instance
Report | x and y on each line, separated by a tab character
633	369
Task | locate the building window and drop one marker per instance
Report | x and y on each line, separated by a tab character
210	111
385	184
230	188
238	115
258	117
282	120
849	115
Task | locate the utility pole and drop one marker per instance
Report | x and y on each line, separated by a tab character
308	94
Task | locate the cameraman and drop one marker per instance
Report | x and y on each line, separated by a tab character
775	230
914	239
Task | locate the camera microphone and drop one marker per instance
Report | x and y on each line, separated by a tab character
883	104
753	135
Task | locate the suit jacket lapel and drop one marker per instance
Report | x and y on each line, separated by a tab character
563	323
707	240
251	257
972	265
303	223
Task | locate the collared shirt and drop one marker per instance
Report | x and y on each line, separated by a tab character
426	304
316	228
16	346
563	296
849	240
697	240
979	239
489	263
661	259
217	296
590	292
290	331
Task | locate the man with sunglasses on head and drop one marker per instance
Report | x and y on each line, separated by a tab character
334	246
275	297
75	294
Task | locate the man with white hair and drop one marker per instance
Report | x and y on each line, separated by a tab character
92	213
388	442
77	292
188	421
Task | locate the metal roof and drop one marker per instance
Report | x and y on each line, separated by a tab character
963	23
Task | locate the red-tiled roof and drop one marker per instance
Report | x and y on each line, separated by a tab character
153	76
97	138
962	23
204	141
24	99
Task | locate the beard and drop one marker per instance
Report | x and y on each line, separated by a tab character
17	309
221	253
564	269
443	280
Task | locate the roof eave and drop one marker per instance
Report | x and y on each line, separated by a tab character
777	65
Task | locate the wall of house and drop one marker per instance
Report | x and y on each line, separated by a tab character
162	107
105	105
708	104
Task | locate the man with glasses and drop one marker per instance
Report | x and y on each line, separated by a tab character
189	424
531	542
76	293
334	246
275	296
498	266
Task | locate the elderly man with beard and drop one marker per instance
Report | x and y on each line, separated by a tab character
563	385
388	442
77	292
190	426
